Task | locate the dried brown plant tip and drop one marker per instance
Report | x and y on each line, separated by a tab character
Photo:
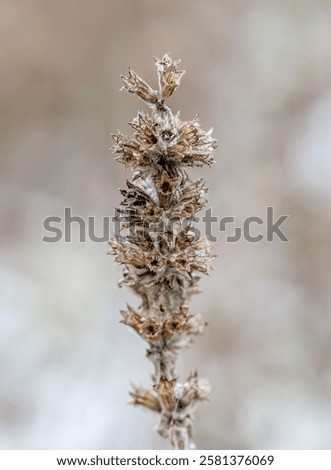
157	247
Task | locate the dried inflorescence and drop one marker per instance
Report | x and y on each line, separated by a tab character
157	246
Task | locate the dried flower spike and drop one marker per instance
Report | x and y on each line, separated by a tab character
160	254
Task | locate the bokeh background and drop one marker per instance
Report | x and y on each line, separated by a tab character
260	73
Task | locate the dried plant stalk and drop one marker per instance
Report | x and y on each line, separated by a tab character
160	252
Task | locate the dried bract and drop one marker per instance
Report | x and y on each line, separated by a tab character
169	76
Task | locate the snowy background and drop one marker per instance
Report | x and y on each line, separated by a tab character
260	73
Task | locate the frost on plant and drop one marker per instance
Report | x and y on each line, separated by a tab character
158	248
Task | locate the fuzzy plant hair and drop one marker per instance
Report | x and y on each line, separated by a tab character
158	247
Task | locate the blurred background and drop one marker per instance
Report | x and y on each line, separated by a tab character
260	73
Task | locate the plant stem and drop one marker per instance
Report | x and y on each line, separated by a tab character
158	246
